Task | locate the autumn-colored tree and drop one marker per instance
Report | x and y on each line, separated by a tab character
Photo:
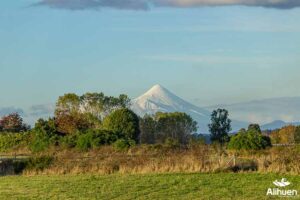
70	123
13	123
75	112
285	135
297	135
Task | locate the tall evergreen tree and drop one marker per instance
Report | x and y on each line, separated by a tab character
220	126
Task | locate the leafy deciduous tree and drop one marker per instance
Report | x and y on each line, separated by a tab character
178	126
125	122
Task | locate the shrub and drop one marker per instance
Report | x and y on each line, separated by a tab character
95	138
84	141
196	140
39	163
34	163
69	141
12	140
297	135
43	135
249	140
123	144
171	143
40	141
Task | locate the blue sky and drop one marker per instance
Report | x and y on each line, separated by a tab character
207	55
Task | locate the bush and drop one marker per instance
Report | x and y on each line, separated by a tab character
171	143
34	163
95	138
297	135
123	144
39	163
196	140
12	140
39	141
43	135
249	140
84	141
69	141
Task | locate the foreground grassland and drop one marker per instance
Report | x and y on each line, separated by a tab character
150	186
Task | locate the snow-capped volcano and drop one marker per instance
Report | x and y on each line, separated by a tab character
159	99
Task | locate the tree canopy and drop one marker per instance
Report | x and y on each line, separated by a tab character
220	126
163	126
124	122
78	113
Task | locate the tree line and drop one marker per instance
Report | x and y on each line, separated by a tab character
94	119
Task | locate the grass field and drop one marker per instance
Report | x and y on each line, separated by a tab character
151	186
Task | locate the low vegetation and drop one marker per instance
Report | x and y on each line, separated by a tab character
151	186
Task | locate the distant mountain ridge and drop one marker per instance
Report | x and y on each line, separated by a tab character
277	124
271	113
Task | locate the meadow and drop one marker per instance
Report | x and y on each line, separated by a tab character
149	186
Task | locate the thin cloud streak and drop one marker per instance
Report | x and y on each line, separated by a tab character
148	4
261	62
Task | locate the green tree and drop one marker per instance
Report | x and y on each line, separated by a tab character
148	130
100	105
177	126
124	122
220	126
67	104
255	127
46	126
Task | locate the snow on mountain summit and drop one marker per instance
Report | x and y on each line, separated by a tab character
159	99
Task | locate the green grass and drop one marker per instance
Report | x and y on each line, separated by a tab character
151	186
